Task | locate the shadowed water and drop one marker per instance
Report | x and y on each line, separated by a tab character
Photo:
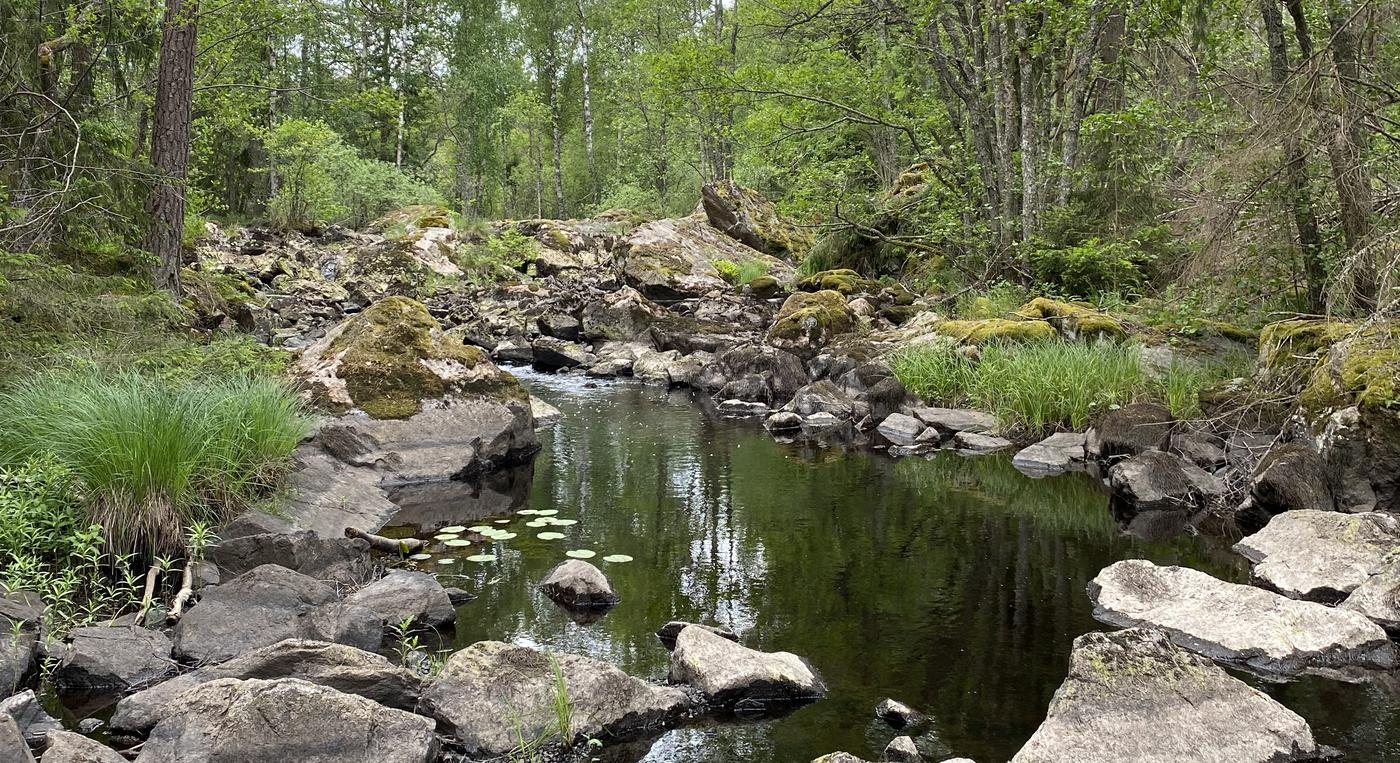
953	584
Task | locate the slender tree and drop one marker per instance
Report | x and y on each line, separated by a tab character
170	144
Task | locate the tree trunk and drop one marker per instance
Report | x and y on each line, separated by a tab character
584	49
1030	136
1353	180
170	146
551	72
1076	97
1295	175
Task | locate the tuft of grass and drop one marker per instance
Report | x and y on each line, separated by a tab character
741	273
563	709
154	457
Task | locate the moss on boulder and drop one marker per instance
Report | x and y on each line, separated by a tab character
1289	346
390	358
808	321
746	216
997	330
843	280
1073	320
674	259
1360	370
417	216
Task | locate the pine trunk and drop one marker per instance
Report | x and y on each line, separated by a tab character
170	145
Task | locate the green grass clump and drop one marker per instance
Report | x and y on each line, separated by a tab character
1035	388
152	457
740	273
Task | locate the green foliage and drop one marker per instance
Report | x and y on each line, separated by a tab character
1091	267
499	257
742	273
324	180
154	457
1000	300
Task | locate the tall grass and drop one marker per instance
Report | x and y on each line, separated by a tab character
153	457
1034	388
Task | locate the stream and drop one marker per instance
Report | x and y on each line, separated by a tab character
953	584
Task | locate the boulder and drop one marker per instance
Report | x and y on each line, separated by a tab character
395	375
114	658
741	408
977	444
901	749
899	715
13	748
1378	598
1200	448
544	413
552	354
559	325
21	617
576	583
1263	631
622	315
1128	431
340	560
1135	696
1321	555
655	367
822	421
731	675
265	605
768	375
901	429
257	721
783	421
1157	481
404	595
343	668
1056	454
821	397
839	757
67	747
954	420
1075	322
515	350
491	695
668	632
28	713
809	321
745	216
1290	477
842	280
999	330
674	259
322	494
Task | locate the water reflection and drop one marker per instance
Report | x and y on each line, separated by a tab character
954	584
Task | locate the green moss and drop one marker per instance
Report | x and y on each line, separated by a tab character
843	280
997	329
558	239
1360	370
812	318
1288	344
1075	320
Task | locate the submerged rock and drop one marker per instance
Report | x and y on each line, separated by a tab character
576	583
1056	454
113	658
406	595
491	695
783	421
668	632
343	668
954	420
67	747
265	605
728	674
1263	630
286	719
899	715
1135	696
1321	555
12	744
977	444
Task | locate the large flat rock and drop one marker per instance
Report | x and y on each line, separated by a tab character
729	674
286	720
1238	624
1135	696
1322	555
491	695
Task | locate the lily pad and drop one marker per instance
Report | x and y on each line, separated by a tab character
505	536
503	521
446	561
561	522
527	512
547	512
452	529
457	543
536	523
482	558
617	558
480	528
550	536
421	557
581	553
446	536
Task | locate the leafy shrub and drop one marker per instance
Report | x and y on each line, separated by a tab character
499	257
151	457
996	301
322	179
1091	267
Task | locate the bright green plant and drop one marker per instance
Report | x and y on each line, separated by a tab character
743	272
153	457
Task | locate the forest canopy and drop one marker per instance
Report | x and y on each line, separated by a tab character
1085	145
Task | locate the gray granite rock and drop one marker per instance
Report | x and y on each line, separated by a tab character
1322	555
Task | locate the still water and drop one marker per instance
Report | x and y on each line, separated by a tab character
953	584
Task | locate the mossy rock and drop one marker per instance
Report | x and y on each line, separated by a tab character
1360	370
394	355
997	330
842	280
808	321
414	216
1074	320
765	287
1289	346
746	216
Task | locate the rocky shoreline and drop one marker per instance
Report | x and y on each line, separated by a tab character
282	655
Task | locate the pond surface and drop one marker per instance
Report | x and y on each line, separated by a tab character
953	584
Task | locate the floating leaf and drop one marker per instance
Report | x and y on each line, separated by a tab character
452	529
536	523
482	558
561	522
550	536
581	553
421	557
505	536
446	536
617	558
547	512
503	521
527	512
457	543
480	528
446	561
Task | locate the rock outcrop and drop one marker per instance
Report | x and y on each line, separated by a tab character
1056	454
1322	555
576	583
1135	696
1264	631
809	321
67	747
114	658
1128	431
745	216
674	259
